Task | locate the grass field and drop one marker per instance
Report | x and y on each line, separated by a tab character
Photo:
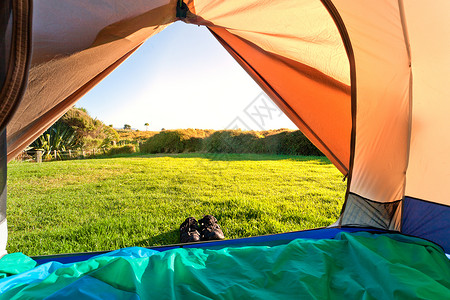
109	203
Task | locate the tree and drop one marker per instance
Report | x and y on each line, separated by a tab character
146	126
127	126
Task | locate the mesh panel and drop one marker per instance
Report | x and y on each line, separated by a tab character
363	212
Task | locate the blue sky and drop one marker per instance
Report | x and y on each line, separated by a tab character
182	78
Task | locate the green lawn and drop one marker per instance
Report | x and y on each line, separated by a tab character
110	203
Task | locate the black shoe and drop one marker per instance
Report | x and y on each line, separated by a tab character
189	231
210	230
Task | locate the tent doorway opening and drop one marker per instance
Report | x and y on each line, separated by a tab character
179	79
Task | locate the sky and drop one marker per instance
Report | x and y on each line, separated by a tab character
182	78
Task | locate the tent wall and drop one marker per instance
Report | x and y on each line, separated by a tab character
426	211
402	142
75	45
428	174
383	98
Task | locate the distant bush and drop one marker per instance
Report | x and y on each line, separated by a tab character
170	141
126	149
176	141
193	144
234	141
281	141
290	143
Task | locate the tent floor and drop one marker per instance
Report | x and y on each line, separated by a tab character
328	263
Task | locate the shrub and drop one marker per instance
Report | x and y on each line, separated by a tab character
272	142
168	141
59	137
111	137
92	143
194	144
234	141
127	149
291	143
176	141
282	141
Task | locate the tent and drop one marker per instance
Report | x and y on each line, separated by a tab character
365	81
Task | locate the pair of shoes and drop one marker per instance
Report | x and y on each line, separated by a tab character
190	231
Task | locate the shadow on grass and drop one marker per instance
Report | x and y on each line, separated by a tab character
165	238
223	156
250	156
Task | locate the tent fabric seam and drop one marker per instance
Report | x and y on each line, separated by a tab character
374	201
339	22
401	8
427	201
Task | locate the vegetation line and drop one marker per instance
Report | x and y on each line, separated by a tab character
77	132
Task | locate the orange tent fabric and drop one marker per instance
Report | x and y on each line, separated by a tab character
366	81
